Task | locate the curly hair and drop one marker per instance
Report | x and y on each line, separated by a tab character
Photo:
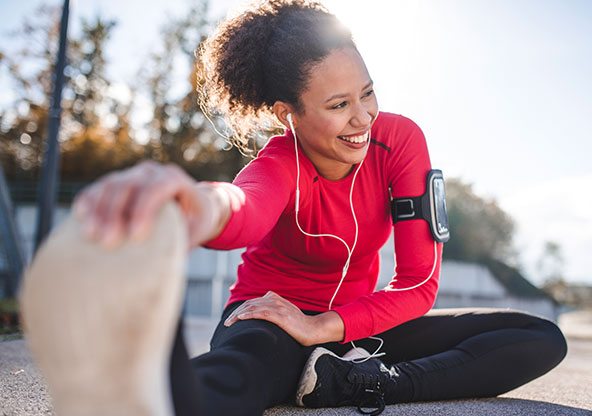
261	56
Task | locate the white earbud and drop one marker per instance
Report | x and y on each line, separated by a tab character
289	117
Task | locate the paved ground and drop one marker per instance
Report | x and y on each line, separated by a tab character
567	390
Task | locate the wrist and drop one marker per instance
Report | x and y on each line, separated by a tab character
330	327
214	209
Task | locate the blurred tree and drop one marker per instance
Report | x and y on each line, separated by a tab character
550	266
98	132
178	131
94	136
479	229
551	263
23	125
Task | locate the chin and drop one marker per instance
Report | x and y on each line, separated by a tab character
358	157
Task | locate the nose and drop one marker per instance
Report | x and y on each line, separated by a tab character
362	116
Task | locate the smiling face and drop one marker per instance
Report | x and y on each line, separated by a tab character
338	108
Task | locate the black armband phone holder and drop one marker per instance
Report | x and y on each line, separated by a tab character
431	207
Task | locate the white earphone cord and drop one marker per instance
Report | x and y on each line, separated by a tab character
297	209
349	251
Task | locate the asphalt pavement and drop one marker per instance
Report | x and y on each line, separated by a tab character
566	390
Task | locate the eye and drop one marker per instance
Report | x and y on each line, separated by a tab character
338	106
368	93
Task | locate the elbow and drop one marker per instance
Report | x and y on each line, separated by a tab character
430	293
430	303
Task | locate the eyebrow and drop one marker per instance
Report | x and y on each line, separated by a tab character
339	95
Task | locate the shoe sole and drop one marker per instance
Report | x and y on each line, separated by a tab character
100	322
356	354
308	379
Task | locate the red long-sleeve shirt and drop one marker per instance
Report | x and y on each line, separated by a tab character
306	270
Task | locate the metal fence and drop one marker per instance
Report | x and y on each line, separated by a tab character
27	192
210	272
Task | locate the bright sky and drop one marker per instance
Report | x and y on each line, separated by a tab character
501	88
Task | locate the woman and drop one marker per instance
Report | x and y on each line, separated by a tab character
313	209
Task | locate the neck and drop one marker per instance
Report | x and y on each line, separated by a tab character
335	173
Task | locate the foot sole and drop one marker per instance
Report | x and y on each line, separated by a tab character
100	322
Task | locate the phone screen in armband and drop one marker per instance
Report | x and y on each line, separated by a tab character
439	225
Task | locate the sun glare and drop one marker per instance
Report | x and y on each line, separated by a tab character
393	38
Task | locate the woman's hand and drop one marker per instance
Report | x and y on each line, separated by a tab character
124	204
307	330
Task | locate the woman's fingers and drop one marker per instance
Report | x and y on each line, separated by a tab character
116	217
126	202
167	183
270	307
104	207
85	206
240	311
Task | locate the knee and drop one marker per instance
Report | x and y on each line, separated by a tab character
264	341
253	335
257	340
558	343
552	343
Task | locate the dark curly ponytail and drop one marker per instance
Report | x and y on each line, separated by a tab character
264	55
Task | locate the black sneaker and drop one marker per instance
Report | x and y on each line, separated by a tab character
329	381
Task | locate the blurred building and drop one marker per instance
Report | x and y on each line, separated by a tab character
211	273
574	296
492	285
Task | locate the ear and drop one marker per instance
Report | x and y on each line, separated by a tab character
281	111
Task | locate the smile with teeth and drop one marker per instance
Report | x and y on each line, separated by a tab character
355	139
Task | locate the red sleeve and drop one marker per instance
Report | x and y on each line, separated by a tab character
417	255
258	196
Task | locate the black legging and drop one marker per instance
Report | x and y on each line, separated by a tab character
446	354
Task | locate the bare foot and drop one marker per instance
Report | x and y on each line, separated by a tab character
100	322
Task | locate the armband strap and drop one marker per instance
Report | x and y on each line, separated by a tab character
408	208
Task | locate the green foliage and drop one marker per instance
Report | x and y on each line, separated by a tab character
480	230
97	133
9	319
8	305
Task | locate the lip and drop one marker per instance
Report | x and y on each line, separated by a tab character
360	133
356	146
359	145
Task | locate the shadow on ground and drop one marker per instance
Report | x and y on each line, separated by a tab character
481	407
